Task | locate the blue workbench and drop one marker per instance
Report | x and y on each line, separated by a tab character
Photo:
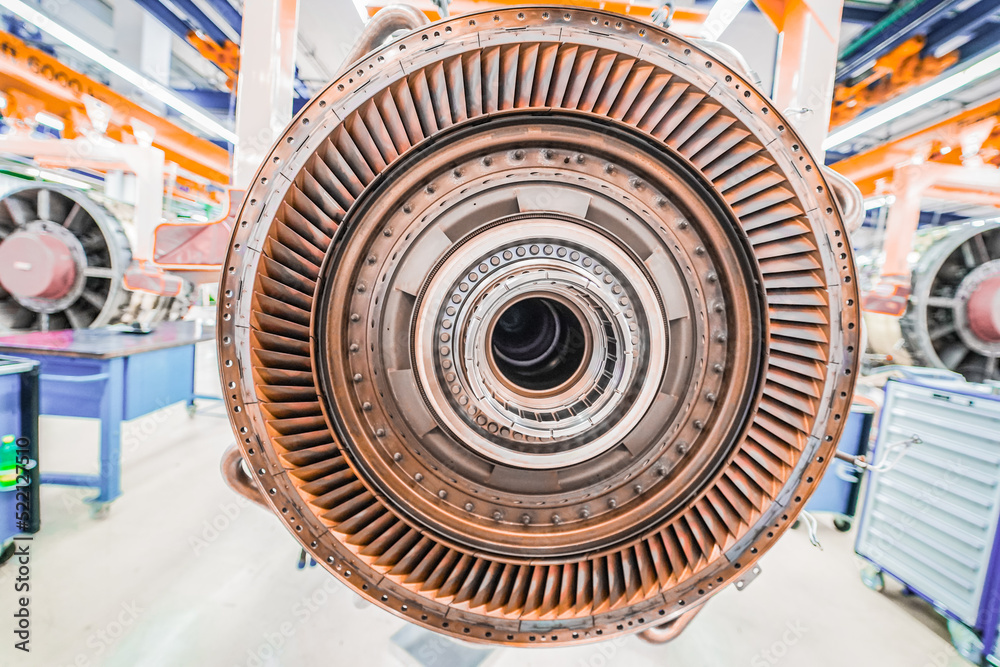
112	376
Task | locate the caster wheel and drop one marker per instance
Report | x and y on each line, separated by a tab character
966	642
7	551
795	526
191	409
100	510
873	578
843	525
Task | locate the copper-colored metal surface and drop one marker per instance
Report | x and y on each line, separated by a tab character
389	20
671	630
538	326
983	309
34	264
236	476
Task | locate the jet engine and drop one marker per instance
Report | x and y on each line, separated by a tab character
538	326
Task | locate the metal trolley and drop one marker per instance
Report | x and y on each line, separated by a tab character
932	505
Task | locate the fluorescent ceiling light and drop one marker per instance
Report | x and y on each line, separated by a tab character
879	202
65	180
914	101
47	119
720	16
85	48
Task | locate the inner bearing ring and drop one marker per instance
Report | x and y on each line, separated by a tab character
497	360
561	259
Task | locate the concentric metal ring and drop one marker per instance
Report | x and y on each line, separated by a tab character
632	448
437	140
557	260
97	244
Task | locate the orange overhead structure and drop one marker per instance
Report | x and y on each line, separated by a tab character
31	77
895	72
807	58
226	57
954	159
971	136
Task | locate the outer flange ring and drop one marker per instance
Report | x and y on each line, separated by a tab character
811	298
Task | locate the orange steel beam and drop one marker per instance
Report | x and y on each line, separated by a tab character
963	196
63	90
226	57
775	10
895	72
867	168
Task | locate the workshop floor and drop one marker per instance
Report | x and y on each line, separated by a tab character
184	573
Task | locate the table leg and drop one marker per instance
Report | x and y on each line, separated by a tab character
112	412
191	407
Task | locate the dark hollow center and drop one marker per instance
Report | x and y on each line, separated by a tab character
538	344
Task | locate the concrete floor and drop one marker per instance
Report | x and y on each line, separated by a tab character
183	573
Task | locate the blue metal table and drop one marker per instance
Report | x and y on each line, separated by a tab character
112	376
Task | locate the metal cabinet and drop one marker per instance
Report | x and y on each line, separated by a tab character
930	521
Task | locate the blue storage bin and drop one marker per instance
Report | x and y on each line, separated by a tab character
18	423
841	484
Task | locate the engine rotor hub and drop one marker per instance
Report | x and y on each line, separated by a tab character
983	306
61	259
531	338
39	263
526	211
953	317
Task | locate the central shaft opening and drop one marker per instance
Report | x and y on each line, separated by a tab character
538	344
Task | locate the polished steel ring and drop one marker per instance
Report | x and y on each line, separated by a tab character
622	340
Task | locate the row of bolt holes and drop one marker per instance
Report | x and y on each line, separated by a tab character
545	15
445	624
347	573
809	480
404	608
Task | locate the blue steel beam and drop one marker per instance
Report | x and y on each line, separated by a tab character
228	13
220	101
920	16
211	100
200	19
985	40
862	14
964	23
174	23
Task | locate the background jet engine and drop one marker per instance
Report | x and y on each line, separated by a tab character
63	258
